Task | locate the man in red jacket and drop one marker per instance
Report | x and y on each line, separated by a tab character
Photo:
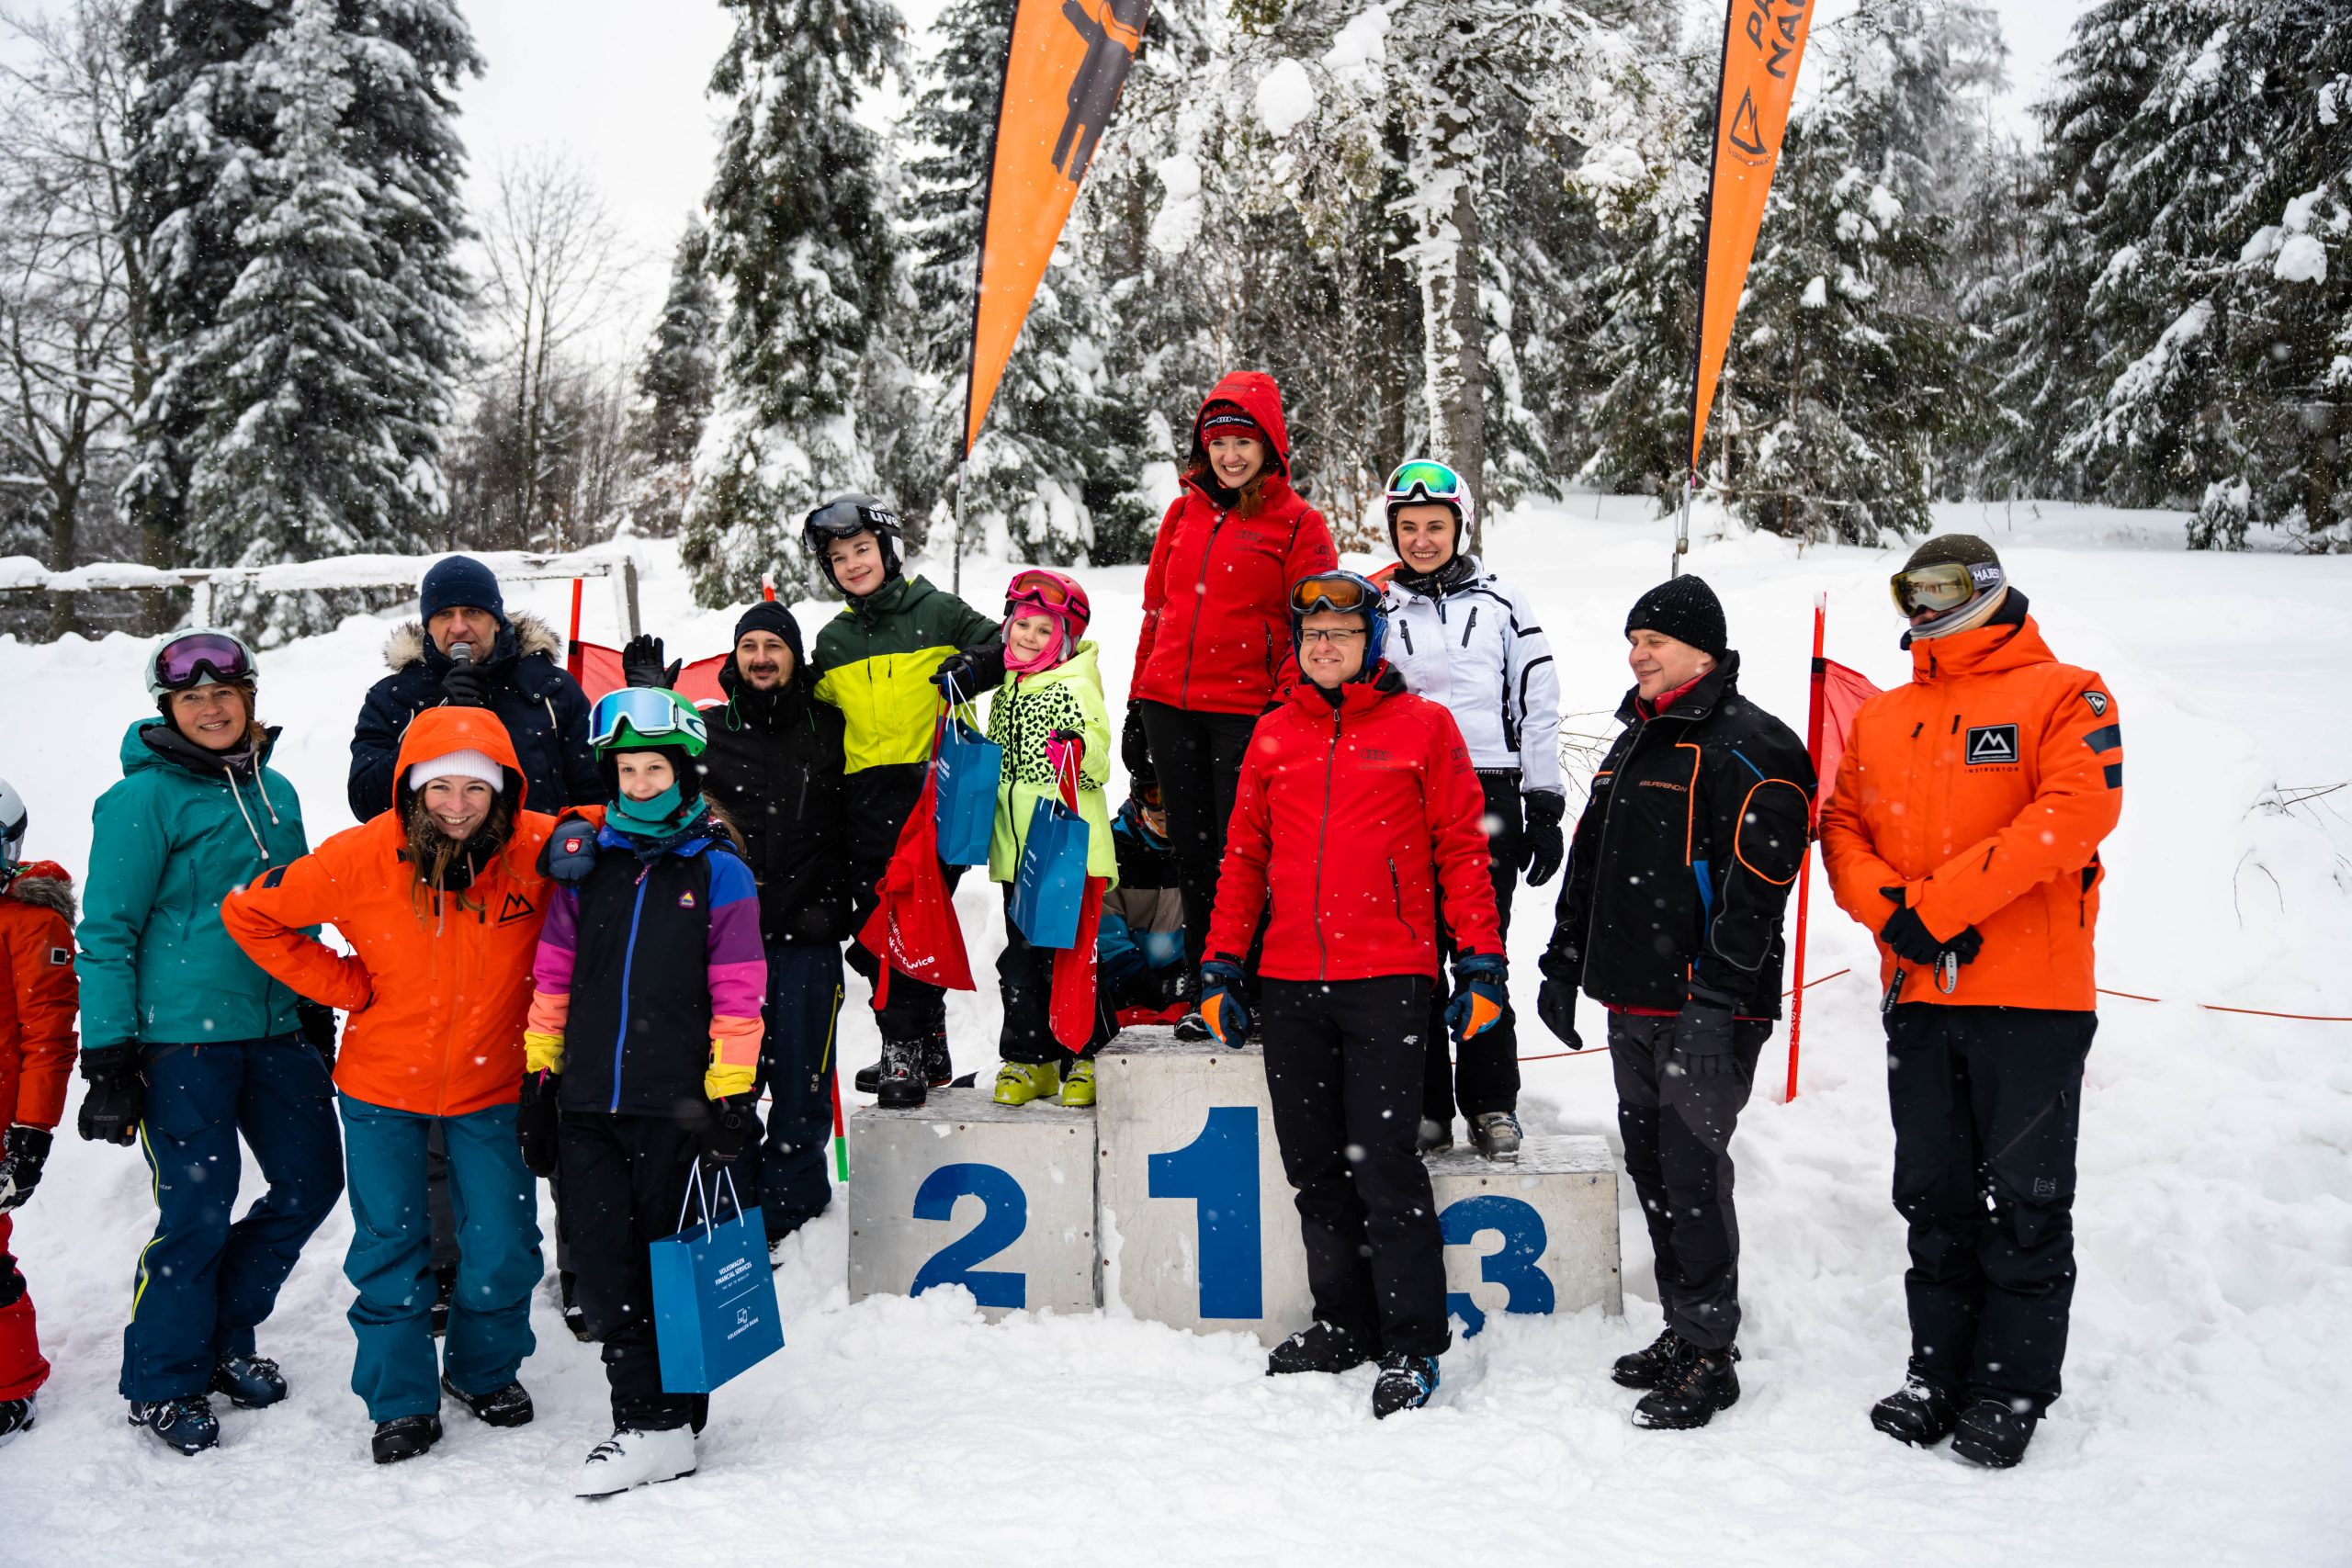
1358	802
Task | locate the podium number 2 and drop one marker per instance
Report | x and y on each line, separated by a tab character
1219	1170
1512	1266
1004	1216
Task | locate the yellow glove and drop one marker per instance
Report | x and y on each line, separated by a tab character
722	1082
542	1053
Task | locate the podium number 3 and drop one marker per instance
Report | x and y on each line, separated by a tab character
1004	1216
1219	1170
1514	1265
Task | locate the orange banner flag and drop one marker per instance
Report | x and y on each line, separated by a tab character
1063	69
1763	41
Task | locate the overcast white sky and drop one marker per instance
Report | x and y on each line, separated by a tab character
621	83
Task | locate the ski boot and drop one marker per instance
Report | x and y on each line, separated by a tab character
1018	1083
1078	1084
1406	1382
1703	1382
634	1458
1652	1366
1918	1413
404	1437
17	1416
938	1071
506	1406
1317	1348
251	1382
1434	1137
903	1086
1496	1135
1993	1432
184	1425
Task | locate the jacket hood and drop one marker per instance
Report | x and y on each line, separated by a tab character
519	637
1255	394
169	749
44	884
438	731
1701	700
2010	642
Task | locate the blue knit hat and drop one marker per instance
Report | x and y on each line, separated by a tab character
461	579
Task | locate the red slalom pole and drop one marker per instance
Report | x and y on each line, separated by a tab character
575	658
1804	864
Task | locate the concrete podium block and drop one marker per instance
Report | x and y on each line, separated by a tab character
1199	1229
964	1192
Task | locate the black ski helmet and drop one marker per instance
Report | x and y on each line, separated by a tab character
845	517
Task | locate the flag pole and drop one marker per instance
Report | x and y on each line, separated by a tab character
1804	863
574	658
1683	526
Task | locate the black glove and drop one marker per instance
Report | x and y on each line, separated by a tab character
1134	748
972	672
535	1121
641	663
466	686
728	1127
1908	935
1543	847
1556	1004
1702	1044
118	1096
571	852
318	1028
1966	945
22	1154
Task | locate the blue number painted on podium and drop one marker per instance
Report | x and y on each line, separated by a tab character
1514	1266
1219	1170
1004	1216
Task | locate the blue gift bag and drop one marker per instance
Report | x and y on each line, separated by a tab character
968	767
714	1299
1049	889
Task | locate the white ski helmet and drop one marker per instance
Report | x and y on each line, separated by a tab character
13	818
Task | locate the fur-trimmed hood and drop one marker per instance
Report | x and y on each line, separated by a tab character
522	634
47	885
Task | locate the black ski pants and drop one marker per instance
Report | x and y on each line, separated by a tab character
1677	1152
1025	977
1198	758
625	1179
1484	1072
1344	1068
1987	1105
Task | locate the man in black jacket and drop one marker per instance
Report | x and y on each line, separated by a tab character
774	766
1670	919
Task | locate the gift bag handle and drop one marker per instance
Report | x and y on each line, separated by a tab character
700	1199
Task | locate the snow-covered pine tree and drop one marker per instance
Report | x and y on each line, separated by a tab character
800	241
1845	372
1058	444
674	384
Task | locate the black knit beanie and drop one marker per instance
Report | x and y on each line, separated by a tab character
1685	609
773	616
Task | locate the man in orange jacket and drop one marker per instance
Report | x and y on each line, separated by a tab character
1965	829
441	899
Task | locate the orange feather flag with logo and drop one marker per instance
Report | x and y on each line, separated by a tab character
1763	41
1064	67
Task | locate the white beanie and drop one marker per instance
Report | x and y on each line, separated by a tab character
466	765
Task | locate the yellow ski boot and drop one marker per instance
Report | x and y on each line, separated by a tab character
1078	1084
1018	1083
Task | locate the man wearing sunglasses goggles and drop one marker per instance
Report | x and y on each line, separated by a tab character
1965	829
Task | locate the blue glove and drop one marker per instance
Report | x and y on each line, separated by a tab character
571	852
1221	1007
1479	998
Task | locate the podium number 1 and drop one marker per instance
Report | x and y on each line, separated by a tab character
1004	1216
1219	1170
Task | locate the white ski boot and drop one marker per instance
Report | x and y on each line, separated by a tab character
631	1458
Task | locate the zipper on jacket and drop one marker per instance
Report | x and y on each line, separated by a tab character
1322	838
629	961
1396	894
1469	625
1405	630
1200	596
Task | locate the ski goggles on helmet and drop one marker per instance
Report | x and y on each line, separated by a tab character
1047	588
649	714
193	659
1341	591
846	516
1942	588
1425	479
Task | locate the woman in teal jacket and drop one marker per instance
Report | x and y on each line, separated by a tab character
189	1044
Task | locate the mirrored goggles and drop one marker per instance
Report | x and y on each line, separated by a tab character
1942	588
1424	479
185	661
650	714
1342	591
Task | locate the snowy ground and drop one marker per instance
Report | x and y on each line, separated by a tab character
2203	1421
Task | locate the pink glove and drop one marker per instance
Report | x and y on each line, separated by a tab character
1064	751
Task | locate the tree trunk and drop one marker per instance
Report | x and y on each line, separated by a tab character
1447	258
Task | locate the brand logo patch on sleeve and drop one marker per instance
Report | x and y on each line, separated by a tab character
2098	701
1992	744
572	846
60	957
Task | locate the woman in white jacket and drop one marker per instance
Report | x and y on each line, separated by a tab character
1461	637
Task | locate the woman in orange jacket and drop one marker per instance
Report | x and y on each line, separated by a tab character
1965	829
440	898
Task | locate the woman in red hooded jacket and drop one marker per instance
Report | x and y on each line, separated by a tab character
1216	651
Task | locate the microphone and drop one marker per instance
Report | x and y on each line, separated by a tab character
462	653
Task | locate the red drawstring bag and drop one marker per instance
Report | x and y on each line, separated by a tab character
914	930
1071	1012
